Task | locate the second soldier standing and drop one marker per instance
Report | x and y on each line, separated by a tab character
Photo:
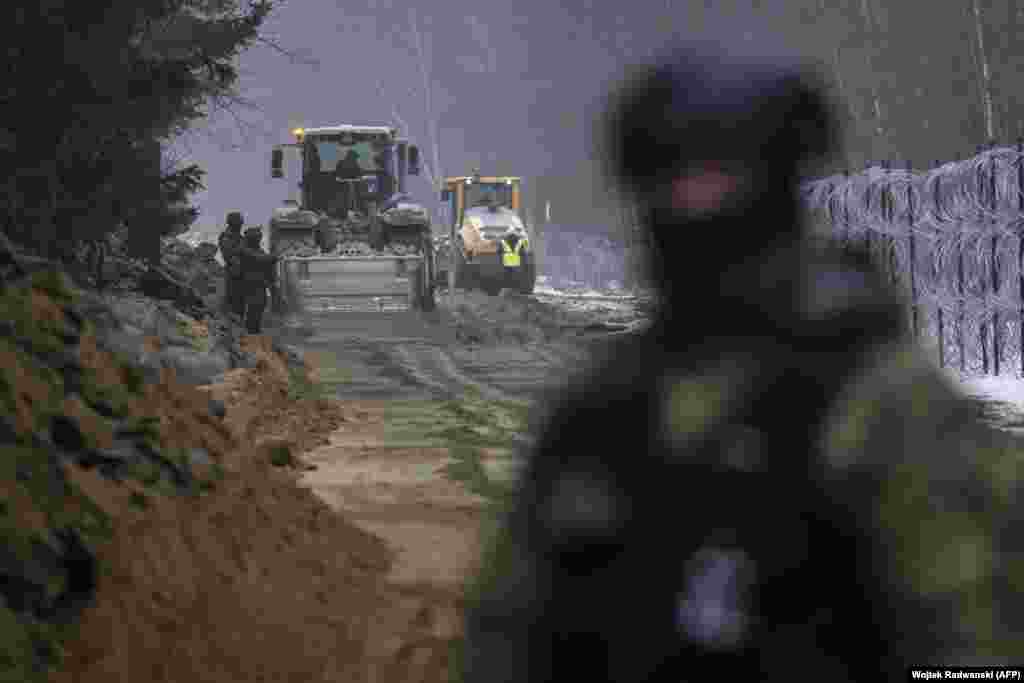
257	276
230	242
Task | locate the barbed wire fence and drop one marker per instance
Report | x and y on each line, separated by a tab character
953	238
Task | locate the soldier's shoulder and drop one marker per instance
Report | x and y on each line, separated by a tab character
912	454
896	396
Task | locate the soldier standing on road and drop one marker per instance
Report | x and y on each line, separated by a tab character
258	275
795	487
230	241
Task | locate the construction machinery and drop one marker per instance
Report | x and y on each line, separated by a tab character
352	239
484	209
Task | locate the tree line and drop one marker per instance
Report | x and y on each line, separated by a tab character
93	92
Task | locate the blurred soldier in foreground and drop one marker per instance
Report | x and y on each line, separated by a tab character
258	275
230	241
772	479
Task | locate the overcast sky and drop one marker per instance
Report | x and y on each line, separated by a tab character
516	86
515	89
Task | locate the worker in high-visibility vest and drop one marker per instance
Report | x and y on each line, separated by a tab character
512	246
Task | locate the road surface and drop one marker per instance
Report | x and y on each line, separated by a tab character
508	348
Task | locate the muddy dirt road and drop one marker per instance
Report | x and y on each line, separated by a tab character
504	348
439	408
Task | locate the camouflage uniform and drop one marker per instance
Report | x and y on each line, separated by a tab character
258	274
230	242
801	489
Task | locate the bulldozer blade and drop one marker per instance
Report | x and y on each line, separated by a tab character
352	283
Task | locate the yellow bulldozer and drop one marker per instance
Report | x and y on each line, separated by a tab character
485	211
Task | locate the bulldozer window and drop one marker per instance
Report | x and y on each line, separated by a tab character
478	193
373	157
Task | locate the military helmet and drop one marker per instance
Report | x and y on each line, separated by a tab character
235	219
702	102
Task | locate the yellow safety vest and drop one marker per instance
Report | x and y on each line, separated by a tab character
509	255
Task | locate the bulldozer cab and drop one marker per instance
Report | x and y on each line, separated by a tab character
463	192
347	167
346	172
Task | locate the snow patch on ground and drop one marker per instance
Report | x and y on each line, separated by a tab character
1005	394
1005	389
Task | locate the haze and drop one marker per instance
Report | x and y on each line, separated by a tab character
515	87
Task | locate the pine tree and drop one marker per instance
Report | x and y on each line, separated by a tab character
91	94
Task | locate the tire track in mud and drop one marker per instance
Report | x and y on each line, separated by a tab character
499	374
562	355
411	360
405	356
434	367
402	369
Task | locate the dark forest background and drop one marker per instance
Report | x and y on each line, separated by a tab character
92	93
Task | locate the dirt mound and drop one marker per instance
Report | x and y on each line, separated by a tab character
257	582
272	404
218	587
237	574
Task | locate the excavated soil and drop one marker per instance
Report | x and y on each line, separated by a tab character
347	563
257	579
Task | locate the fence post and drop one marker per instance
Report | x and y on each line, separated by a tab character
996	336
846	216
939	312
982	326
867	229
1020	252
833	221
883	208
912	255
960	306
894	261
890	212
